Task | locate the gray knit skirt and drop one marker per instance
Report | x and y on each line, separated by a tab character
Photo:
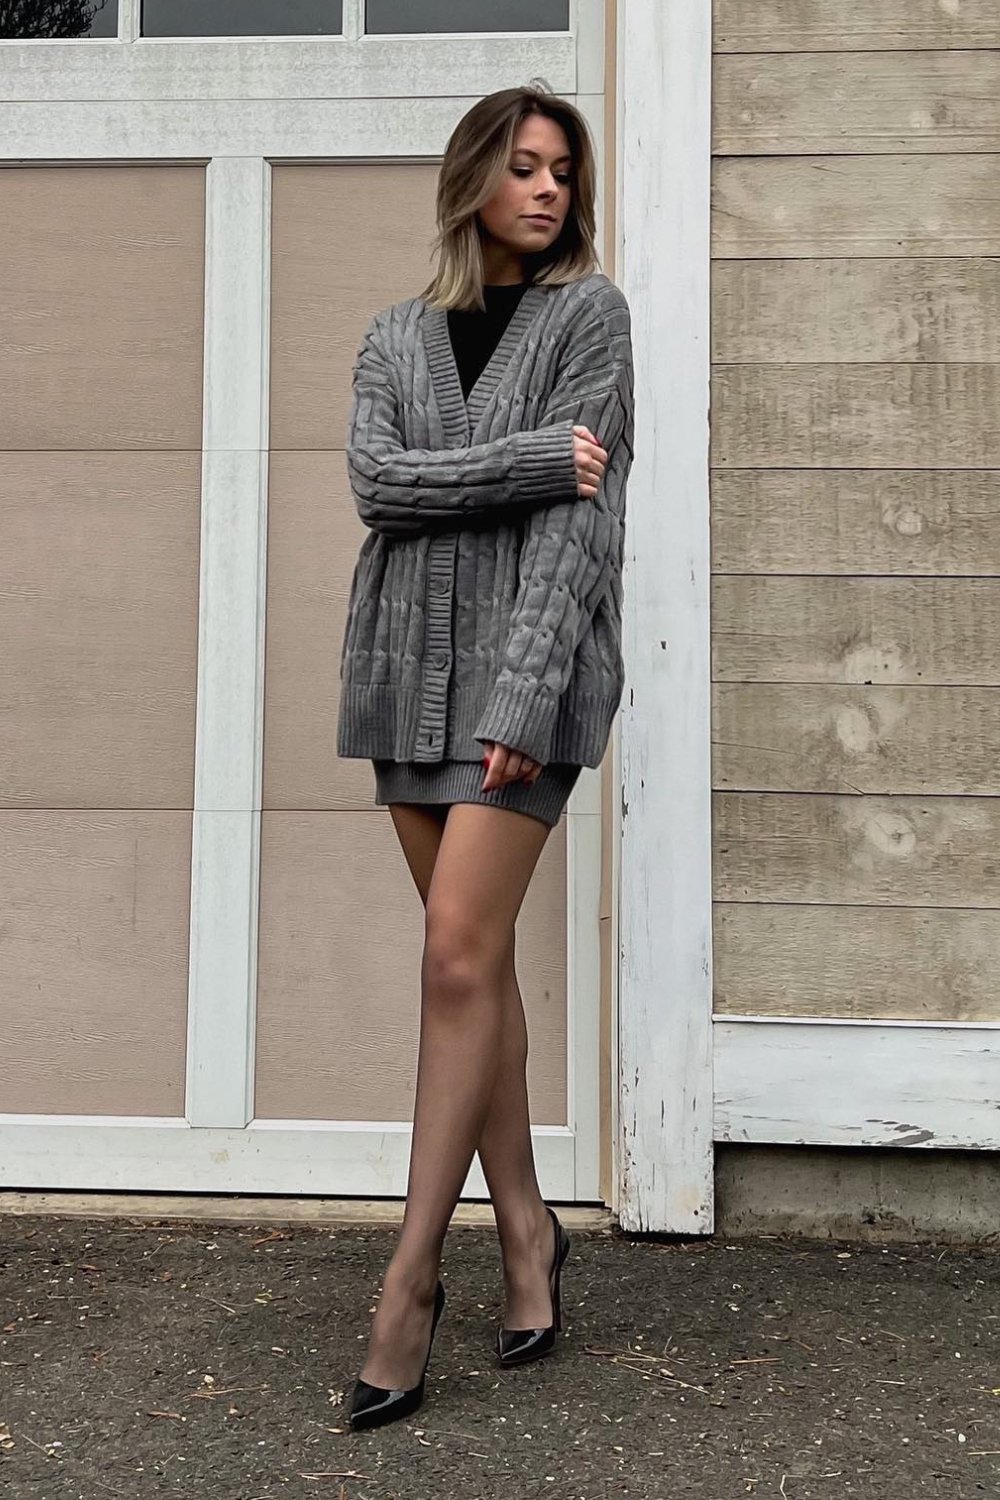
450	781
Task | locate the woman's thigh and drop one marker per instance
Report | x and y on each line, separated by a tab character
419	830
483	866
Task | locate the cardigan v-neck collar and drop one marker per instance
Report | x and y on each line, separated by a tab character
460	417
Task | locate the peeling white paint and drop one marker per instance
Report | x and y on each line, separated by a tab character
665	907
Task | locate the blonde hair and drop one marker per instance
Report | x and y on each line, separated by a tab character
475	160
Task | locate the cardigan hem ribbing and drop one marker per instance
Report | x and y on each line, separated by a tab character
380	721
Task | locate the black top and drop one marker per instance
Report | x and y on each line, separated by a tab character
475	332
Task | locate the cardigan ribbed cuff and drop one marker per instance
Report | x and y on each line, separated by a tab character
523	717
545	465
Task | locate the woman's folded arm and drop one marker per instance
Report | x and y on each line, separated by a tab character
406	491
571	551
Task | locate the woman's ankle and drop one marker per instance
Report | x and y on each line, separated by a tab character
413	1278
524	1231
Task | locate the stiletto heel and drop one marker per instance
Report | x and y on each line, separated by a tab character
516	1346
373	1405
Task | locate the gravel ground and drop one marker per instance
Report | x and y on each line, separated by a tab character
165	1359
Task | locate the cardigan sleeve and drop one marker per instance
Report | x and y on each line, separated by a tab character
403	491
572	552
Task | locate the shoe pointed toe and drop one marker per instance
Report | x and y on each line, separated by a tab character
372	1405
517	1345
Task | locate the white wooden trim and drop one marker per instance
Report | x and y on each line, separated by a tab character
583	989
664	133
353	19
365	1159
835	1083
615	1125
197	130
155	69
222	983
587	24
591	106
583	829
129	20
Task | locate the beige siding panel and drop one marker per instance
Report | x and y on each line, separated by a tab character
855	345
856	416
889	205
314	533
861	101
856	962
93	980
853	25
103	273
879	631
855	521
339	972
99	561
856	311
848	850
793	738
329	274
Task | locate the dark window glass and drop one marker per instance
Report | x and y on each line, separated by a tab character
242	17
23	20
384	17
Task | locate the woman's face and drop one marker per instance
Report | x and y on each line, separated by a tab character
527	212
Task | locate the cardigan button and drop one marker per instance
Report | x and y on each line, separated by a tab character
439	660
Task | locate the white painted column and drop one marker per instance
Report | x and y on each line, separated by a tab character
665	1137
229	737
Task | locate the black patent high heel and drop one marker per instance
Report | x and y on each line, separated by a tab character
372	1405
516	1346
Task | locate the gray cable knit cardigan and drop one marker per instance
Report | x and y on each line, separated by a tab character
486	599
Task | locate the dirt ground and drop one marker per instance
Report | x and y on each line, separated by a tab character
145	1359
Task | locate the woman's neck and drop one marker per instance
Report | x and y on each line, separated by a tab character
501	267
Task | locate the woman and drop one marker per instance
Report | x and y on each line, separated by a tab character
489	442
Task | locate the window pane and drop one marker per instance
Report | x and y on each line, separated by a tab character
24	20
387	16
242	17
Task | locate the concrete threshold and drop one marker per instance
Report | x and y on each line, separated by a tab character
235	1209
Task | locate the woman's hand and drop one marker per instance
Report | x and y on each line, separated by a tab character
591	461
504	765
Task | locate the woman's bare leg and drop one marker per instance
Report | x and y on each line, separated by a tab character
484	862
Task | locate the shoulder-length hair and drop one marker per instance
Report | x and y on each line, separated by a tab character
476	157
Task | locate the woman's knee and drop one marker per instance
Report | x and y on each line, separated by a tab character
461	959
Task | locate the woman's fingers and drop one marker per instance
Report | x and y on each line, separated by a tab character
498	771
504	765
591	461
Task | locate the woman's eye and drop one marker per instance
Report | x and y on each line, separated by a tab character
562	177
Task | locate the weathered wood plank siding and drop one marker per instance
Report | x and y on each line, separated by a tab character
856	508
